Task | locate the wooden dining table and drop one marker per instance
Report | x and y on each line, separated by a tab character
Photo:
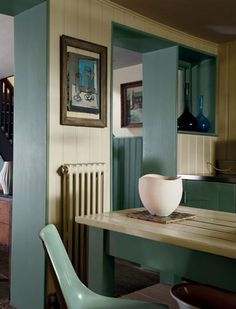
202	248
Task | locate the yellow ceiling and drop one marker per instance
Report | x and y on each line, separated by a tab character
213	20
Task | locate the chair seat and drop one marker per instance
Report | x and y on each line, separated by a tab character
102	302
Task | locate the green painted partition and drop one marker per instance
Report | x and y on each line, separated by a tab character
30	159
159	111
127	166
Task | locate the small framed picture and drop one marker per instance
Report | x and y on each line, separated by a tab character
83	83
131	104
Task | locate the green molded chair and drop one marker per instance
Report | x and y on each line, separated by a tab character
75	293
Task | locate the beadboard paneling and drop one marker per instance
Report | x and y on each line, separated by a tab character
226	148
127	168
194	151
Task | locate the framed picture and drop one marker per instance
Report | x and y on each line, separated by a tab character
131	104
83	83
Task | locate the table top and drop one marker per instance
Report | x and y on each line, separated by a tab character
209	231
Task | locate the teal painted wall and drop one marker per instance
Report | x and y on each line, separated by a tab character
204	83
159	111
127	168
14	7
30	158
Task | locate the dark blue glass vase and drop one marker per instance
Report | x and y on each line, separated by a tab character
186	121
203	123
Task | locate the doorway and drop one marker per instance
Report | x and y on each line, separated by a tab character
129	47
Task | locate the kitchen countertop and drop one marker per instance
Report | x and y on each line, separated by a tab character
211	177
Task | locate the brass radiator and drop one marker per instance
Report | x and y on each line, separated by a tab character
82	193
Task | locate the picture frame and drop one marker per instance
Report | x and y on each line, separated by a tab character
131	104
83	74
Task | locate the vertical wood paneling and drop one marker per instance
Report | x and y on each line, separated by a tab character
70	15
72	144
179	153
227	108
56	137
194	151
200	153
223	98
95	35
127	166
192	154
231	149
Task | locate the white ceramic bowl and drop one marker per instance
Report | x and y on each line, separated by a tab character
159	194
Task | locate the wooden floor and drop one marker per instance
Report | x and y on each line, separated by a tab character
4	282
158	293
132	281
135	282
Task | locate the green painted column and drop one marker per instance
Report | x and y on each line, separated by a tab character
127	166
30	159
159	111
100	264
159	116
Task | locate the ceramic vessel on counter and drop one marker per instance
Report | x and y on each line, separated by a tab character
159	194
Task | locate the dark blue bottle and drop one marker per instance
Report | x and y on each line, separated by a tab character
203	122
187	122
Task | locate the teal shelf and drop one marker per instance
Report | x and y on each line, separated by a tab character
199	71
198	133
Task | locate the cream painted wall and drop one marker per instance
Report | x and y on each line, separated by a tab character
196	154
120	76
89	20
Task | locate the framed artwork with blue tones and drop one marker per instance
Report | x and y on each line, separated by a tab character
131	104
83	83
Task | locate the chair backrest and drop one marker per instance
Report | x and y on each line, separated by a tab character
72	288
